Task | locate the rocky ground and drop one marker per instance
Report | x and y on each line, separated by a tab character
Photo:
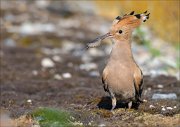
43	64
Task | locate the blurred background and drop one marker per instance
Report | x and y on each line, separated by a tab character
48	23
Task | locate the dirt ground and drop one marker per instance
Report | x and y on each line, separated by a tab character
32	31
82	94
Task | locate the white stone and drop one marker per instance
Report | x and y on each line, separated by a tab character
155	73
160	86
42	3
66	75
89	123
149	89
46	51
35	72
88	66
144	100
164	96
36	28
57	58
58	77
151	106
9	42
95	52
169	108
67	46
77	123
163	109
101	125
47	63
94	74
29	101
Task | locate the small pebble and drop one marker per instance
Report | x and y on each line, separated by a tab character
88	66
9	42
164	96
163	109
174	107
67	46
94	74
149	88
42	3
95	52
144	100
160	86
29	101
151	106
89	123
72	117
58	77
35	72
169	108
34	28
66	75
57	58
47	63
77	123
101	125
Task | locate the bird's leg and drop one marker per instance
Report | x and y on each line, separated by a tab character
130	105
113	98
113	103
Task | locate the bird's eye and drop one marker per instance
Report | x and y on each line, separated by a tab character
120	31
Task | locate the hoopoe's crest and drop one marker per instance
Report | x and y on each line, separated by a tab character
122	28
130	20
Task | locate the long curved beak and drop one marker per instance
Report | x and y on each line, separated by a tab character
105	36
96	42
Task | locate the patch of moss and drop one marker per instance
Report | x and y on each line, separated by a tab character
26	41
49	117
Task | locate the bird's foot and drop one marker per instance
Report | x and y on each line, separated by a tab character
130	105
113	103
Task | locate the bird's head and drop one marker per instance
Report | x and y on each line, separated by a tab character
122	28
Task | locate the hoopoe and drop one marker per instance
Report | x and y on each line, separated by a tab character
122	78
